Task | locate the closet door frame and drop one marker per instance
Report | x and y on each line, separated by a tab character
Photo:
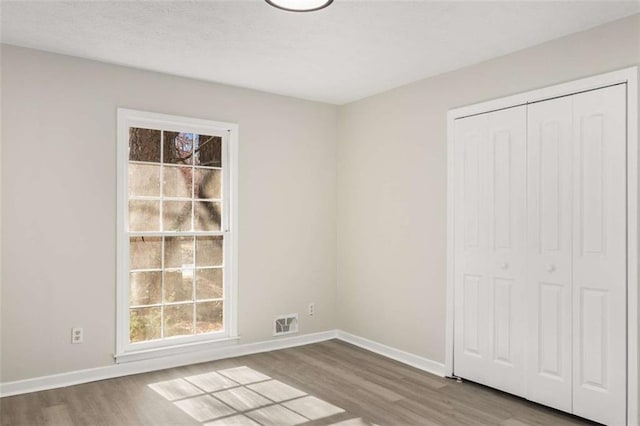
630	77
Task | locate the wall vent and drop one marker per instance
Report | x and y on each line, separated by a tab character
285	324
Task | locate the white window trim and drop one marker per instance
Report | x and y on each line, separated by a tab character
126	351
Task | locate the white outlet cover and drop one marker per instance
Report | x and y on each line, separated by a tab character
77	335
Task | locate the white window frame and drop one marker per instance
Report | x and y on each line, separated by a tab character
127	118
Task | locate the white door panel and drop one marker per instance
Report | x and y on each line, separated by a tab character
506	195
599	255
490	248
549	219
471	248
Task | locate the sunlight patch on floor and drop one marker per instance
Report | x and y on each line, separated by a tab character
243	399
243	396
238	420
175	389
211	382
276	391
244	375
277	415
313	408
353	422
204	407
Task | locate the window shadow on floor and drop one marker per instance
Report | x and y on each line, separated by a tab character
244	396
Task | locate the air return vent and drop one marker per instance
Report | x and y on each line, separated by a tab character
285	324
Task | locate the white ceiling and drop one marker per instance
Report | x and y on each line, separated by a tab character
351	50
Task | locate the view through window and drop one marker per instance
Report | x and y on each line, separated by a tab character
176	227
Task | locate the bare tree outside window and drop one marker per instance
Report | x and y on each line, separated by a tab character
175	182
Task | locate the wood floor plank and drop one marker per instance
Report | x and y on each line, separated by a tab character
57	415
367	389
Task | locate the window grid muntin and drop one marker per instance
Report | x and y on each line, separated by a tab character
224	230
174	269
161	230
152	198
184	302
151	163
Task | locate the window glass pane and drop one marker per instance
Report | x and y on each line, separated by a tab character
145	253
208	183
144	324
207	216
145	288
209	251
178	252
175	192
144	145
208	151
176	215
178	320
177	182
208	284
144	180
178	148
144	215
178	286
208	317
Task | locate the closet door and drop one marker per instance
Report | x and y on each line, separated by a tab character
490	188
471	236
549	194
599	255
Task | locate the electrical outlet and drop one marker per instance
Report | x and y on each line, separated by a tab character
311	309
77	335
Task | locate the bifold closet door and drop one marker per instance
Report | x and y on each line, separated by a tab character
549	256
490	203
540	252
599	255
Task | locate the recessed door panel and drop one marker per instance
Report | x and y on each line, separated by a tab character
550	183
471	314
551	354
503	317
502	163
471	189
593	339
592	183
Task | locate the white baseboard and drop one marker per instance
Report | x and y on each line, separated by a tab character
416	361
143	366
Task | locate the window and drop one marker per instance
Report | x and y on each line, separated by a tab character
176	236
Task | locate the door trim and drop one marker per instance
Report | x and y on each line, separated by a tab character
628	76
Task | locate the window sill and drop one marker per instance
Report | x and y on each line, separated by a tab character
175	350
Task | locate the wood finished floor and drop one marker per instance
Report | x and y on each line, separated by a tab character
329	383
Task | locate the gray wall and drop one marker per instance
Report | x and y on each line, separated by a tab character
392	169
59	204
387	204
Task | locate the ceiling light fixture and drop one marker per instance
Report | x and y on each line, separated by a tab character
300	5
